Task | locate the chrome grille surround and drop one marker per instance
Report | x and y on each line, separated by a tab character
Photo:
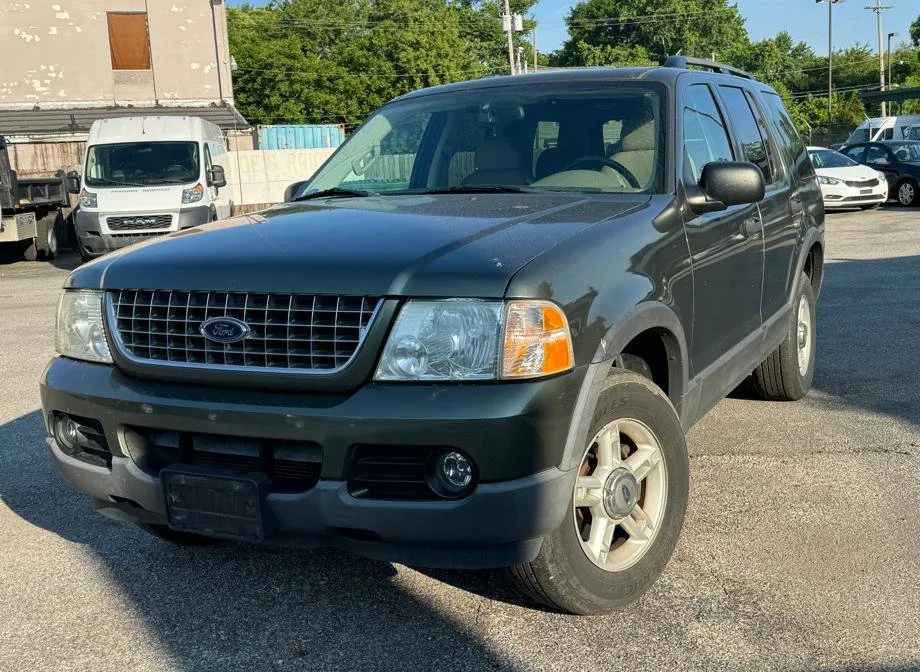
289	333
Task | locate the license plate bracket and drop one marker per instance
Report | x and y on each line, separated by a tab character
865	191
214	504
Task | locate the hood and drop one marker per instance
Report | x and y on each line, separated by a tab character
435	245
852	173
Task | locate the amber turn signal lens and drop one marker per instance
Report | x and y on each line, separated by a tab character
537	340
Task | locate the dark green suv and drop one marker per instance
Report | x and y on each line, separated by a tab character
474	338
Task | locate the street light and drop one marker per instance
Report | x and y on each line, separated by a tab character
830	54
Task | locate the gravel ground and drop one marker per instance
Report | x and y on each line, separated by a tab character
800	549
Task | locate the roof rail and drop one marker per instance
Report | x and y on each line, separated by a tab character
684	62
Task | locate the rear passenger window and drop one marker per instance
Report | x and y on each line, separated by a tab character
705	137
788	135
747	132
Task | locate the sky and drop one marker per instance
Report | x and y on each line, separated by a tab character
805	20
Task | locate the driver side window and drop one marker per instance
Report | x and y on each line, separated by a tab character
876	154
705	137
856	153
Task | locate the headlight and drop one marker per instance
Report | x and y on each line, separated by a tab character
80	332
87	199
823	179
468	339
192	195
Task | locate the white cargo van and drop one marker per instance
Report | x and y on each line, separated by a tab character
887	128
149	176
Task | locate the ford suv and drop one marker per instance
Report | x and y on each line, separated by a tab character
473	339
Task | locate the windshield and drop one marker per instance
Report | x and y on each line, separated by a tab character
859	135
828	158
591	138
142	164
905	151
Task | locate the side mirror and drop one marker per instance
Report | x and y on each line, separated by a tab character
216	177
292	190
72	181
726	183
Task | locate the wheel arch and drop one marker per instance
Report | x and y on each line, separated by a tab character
650	318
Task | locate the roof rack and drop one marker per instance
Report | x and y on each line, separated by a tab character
684	62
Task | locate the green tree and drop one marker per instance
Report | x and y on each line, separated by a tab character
915	32
600	29
314	61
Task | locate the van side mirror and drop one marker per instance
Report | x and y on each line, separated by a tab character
292	190
72	182
216	177
726	183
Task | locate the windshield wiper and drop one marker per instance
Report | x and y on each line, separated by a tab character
115	183
477	189
334	191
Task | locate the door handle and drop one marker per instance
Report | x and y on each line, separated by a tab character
751	227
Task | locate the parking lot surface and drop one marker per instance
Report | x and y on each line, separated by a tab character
800	549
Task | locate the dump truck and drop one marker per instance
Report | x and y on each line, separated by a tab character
33	211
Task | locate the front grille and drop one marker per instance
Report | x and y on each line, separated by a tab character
867	197
139	222
287	331
862	185
291	466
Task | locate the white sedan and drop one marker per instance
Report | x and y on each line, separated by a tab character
845	183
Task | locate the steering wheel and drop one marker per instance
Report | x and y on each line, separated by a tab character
604	161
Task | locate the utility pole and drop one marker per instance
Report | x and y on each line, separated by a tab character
509	26
535	65
878	9
890	81
830	56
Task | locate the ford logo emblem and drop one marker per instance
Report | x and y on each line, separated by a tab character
224	329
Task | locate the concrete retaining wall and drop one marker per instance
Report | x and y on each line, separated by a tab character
257	176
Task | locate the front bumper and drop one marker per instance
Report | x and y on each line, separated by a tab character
514	432
95	238
841	196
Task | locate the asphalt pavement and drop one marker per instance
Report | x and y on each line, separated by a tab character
800	549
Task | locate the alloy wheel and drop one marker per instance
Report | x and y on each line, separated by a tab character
620	493
803	335
906	194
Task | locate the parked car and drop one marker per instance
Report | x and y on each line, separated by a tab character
898	160
845	183
148	176
490	360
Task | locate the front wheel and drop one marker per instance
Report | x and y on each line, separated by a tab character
626	509
907	193
786	374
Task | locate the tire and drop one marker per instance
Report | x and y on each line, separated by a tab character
907	193
166	533
30	250
47	238
783	376
563	576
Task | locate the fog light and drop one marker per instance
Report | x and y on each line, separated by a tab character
453	474
66	432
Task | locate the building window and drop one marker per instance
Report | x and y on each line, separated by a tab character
129	40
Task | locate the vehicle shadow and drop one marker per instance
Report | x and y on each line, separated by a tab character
238	606
866	322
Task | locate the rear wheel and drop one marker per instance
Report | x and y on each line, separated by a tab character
627	506
907	192
166	533
787	373
46	239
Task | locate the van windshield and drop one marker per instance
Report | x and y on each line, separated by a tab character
586	138
142	164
